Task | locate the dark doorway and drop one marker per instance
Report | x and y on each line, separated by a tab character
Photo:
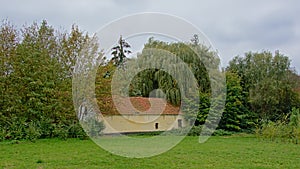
156	125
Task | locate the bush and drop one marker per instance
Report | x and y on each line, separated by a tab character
93	127
76	131
61	131
295	125
195	131
47	128
280	130
2	134
32	132
19	129
15	129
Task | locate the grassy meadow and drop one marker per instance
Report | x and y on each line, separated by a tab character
217	152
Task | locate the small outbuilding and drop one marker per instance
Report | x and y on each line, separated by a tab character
140	114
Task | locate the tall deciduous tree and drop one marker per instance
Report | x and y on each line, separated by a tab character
267	80
35	79
9	39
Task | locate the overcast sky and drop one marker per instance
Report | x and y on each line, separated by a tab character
233	26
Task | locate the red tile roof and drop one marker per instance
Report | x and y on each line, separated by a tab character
141	105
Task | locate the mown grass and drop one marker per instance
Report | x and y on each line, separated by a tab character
217	152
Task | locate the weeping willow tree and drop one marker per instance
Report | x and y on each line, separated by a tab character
147	81
185	61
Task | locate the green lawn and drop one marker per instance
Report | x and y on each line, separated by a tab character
217	152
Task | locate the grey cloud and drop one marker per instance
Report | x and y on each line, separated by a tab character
233	26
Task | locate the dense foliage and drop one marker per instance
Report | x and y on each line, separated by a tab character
281	130
174	65
269	94
35	81
37	64
268	83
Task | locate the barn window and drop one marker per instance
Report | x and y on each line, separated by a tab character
156	125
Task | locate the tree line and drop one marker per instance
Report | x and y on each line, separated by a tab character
37	63
262	89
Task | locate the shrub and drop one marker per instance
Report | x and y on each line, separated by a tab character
2	134
195	131
15	129
280	130
32	132
93	127
76	131
61	131
47	128
295	125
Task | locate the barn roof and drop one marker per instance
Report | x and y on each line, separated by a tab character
141	106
